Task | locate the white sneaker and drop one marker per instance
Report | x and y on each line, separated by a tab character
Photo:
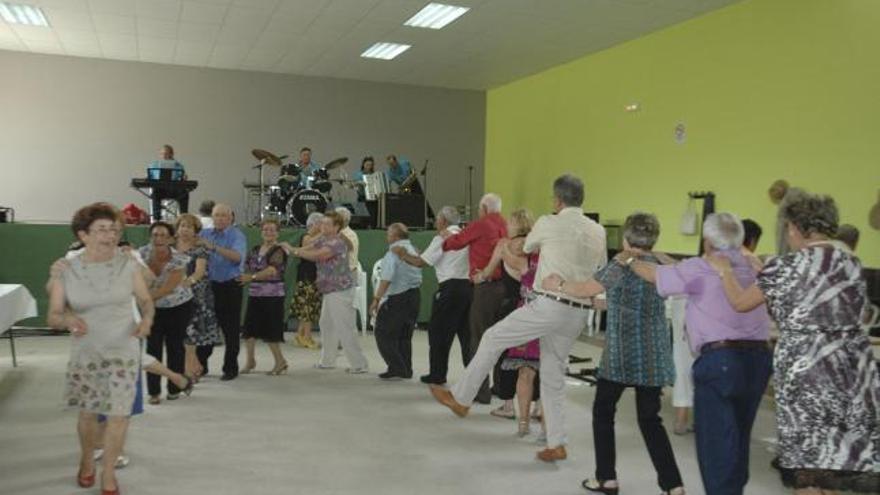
357	371
319	366
122	461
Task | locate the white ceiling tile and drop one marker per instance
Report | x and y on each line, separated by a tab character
356	9
245	37
290	23
116	7
198	12
256	4
68	18
12	44
61	4
157	28
151	45
244	18
397	11
68	36
82	50
44	46
118	43
33	33
271	41
195	48
168	10
301	7
189	31
114	24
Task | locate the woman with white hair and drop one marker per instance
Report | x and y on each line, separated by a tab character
827	382
306	302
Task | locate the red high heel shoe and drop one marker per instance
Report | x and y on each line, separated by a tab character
87	481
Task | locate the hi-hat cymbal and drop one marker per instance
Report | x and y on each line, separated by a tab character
336	163
266	157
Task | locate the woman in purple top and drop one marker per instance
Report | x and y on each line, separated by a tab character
337	284
827	382
264	319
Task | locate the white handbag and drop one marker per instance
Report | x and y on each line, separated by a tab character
688	225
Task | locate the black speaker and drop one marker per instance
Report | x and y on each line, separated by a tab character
407	209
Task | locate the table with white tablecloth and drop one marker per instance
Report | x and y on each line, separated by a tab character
16	304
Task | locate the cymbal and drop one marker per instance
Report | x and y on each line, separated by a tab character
290	178
336	163
266	157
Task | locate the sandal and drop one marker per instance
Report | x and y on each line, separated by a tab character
188	389
154	400
523	429
502	412
248	368
598	486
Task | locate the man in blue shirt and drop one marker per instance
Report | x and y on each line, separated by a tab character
228	247
398	170
306	165
166	161
397	301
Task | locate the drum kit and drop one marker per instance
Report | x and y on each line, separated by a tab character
297	193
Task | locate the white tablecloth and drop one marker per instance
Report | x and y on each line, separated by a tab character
16	304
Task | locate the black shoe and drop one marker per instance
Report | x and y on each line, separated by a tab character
481	399
174	396
389	376
430	380
228	376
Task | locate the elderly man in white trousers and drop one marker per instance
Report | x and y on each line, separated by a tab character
573	246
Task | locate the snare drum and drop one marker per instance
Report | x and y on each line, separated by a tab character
277	200
304	203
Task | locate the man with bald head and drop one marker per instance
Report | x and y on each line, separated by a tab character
396	305
228	248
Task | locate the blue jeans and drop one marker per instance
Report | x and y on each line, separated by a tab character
728	387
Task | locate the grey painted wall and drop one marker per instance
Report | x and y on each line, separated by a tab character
76	130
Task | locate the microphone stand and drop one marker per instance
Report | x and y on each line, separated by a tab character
470	204
425	195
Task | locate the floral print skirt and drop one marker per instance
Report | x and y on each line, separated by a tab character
102	385
306	302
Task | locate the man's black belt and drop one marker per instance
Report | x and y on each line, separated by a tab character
735	344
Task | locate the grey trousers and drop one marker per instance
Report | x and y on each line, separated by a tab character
557	325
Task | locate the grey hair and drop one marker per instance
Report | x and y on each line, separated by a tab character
723	231
492	202
569	190
641	230
450	214
811	213
399	230
314	218
345	213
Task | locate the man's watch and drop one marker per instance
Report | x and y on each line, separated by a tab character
629	261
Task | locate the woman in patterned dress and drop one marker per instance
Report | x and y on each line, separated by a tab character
827	382
637	353
104	360
203	331
306	301
264	319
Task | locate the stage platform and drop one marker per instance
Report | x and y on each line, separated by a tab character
27	251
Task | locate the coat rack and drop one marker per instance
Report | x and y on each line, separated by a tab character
708	198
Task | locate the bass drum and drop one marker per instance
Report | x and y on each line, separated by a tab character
303	204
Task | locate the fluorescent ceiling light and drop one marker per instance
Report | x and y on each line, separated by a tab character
435	16
28	15
385	51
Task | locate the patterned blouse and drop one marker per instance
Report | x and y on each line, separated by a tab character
267	287
181	293
334	274
638	347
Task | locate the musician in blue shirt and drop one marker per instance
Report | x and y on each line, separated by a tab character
166	161
306	165
398	170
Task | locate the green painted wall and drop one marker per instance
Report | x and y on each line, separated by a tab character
767	89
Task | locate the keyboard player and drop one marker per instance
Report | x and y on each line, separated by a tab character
167	168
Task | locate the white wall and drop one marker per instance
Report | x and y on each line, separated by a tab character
75	130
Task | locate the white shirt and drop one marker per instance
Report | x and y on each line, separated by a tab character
571	245
207	222
450	264
353	252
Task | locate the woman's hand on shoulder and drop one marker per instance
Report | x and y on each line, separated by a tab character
58	267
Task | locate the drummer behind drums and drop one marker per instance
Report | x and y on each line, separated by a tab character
307	167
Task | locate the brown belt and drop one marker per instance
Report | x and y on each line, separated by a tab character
735	344
567	302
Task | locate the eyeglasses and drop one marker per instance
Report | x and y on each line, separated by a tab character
111	230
